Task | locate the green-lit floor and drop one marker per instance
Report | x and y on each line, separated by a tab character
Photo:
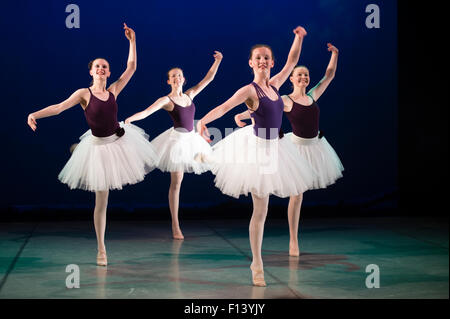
213	261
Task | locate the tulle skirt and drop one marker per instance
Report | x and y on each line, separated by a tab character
244	163
107	163
177	150
321	157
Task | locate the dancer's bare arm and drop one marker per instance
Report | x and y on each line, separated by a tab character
118	86
192	92
293	57
161	103
318	90
239	97
77	97
242	116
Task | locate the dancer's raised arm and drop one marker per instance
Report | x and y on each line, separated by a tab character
55	109
118	86
318	90
161	103
292	60
193	91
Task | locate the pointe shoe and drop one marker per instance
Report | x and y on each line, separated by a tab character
294	252
101	258
177	235
258	277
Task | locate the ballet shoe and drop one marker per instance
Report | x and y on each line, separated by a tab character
294	252
258	277
101	258
177	235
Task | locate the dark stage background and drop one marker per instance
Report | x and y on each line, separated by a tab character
43	62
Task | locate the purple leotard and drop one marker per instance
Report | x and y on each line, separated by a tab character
269	114
101	115
304	119
183	117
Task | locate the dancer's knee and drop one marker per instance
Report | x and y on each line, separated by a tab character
101	199
175	181
296	199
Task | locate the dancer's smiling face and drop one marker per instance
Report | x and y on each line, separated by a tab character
300	77
261	60
175	77
99	69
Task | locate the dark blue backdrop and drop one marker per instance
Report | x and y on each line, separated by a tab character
43	62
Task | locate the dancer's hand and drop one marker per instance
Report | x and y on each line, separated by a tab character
218	56
32	122
127	121
332	48
238	121
129	33
203	131
300	31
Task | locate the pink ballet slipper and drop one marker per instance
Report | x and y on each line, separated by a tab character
101	258
258	277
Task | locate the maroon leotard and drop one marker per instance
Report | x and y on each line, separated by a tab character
304	119
101	115
183	117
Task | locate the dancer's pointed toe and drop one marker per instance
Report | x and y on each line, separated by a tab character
258	277
102	260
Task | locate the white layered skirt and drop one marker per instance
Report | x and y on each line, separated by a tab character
321	157
245	163
107	163
177	150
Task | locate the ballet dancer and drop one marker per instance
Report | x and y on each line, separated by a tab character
253	159
178	145
302	111
110	154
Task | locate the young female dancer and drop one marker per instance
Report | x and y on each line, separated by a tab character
178	145
303	112
253	159
110	154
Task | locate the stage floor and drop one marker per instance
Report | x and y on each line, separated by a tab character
213	261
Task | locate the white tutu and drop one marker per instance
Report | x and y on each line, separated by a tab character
322	158
106	163
244	163
177	149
